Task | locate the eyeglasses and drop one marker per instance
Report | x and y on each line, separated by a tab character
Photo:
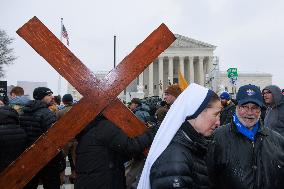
254	109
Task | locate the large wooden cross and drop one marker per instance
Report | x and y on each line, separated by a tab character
99	96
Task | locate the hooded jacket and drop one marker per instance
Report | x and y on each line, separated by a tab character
274	117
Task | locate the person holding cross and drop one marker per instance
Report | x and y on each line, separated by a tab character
102	150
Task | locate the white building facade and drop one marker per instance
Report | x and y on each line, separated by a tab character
197	63
259	79
194	59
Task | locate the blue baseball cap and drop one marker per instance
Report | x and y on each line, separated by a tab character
225	96
249	93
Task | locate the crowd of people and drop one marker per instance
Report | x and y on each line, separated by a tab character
196	139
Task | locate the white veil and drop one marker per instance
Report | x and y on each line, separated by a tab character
185	105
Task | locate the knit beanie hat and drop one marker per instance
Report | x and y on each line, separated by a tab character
174	90
67	98
40	92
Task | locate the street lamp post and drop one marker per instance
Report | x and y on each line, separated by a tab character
212	76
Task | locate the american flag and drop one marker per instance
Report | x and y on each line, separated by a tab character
65	34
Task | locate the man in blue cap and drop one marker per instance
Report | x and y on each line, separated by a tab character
247	154
228	108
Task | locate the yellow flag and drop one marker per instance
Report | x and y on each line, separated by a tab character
181	81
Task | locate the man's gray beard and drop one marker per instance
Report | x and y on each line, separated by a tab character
249	127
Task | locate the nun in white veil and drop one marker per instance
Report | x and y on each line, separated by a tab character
193	115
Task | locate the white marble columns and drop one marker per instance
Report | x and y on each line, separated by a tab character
201	71
161	75
181	65
195	68
171	70
191	70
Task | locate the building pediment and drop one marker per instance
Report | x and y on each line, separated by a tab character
186	42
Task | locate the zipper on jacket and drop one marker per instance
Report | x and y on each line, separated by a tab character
254	165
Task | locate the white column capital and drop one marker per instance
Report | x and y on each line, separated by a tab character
160	58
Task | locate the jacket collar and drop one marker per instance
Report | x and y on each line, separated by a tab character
189	137
262	129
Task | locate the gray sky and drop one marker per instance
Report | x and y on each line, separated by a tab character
249	34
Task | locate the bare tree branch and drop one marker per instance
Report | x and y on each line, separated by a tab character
6	53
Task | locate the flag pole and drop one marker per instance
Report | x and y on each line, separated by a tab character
59	76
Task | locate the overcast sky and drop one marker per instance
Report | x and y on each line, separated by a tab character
249	34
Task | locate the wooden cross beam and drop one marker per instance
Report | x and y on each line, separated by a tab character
98	96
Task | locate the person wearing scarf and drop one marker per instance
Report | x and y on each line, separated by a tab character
177	156
245	154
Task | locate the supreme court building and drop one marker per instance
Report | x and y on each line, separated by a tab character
193	58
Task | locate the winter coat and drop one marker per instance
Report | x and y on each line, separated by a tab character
12	137
274	117
142	114
102	150
239	163
36	119
227	113
183	162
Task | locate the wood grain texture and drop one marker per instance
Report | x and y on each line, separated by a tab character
77	74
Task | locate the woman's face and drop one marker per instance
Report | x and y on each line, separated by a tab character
208	120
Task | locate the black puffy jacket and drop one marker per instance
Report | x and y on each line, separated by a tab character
238	163
102	150
183	162
12	137
226	114
36	119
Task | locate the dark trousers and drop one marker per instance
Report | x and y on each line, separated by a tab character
49	176
70	159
